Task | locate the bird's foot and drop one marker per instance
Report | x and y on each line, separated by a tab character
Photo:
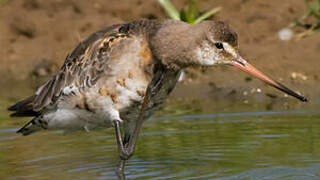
126	152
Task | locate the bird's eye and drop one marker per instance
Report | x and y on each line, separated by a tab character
219	45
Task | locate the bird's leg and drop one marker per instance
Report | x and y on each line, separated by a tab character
125	148
156	83
127	145
133	138
120	169
123	152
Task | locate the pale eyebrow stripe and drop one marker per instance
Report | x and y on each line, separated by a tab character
230	49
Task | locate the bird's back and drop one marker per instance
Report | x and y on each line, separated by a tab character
108	71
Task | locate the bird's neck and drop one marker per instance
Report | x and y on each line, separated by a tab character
173	44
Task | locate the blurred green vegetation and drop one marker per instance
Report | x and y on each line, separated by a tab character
4	2
190	13
310	21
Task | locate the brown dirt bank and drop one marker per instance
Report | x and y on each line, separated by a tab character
32	31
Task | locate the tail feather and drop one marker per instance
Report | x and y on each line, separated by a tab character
24	108
30	113
34	125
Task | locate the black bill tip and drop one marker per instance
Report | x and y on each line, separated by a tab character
288	91
303	99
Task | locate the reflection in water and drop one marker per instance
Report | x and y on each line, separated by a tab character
273	145
120	169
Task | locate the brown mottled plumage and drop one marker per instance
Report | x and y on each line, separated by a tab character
121	74
94	60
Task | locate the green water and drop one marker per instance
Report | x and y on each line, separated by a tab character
242	145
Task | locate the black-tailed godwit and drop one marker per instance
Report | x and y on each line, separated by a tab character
120	75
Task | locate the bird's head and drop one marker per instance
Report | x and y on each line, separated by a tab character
219	45
206	44
216	43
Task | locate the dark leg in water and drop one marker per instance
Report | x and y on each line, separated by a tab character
121	151
126	147
120	169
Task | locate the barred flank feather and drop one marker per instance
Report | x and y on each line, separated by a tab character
34	125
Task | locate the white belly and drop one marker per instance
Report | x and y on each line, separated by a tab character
76	119
103	109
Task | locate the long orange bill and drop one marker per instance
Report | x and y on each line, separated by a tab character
248	68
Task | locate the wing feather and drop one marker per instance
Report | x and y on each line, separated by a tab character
81	69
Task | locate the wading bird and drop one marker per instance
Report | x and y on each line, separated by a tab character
120	75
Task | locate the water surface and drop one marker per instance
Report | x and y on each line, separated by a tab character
226	146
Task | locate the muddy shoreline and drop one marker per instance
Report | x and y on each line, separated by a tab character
34	33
